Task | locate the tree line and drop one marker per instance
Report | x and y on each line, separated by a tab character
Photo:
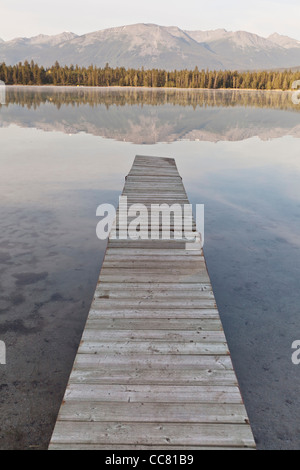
30	73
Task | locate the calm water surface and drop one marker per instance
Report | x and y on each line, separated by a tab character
65	151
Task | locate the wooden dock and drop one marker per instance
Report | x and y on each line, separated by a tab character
153	369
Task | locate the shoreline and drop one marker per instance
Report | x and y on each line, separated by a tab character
142	88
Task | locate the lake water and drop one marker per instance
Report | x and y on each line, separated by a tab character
65	151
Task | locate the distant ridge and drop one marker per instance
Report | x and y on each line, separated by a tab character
154	46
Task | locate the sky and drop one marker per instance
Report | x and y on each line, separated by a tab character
27	18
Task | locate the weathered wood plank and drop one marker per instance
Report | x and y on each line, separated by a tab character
153	412
154	433
152	303
151	347
145	253
130	447
136	376
162	361
175	287
153	393
154	335
168	265
153	324
202	313
153	172
134	275
163	294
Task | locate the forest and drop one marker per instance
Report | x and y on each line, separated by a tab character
30	73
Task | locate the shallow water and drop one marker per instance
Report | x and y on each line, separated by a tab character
64	152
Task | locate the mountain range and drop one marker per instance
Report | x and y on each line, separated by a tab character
154	46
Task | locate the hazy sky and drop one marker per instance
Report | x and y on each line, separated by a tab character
32	17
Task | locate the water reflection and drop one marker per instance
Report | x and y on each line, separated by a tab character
150	116
35	96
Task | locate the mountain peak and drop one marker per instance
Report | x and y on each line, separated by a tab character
208	36
241	39
44	39
244	39
284	41
53	40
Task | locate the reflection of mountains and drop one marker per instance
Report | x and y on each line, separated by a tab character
151	115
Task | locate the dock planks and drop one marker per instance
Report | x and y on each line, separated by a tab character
153	369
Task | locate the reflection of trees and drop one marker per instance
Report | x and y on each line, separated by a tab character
34	97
